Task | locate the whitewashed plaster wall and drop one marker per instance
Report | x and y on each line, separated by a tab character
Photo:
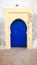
21	3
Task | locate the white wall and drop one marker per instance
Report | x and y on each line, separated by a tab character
21	3
12	3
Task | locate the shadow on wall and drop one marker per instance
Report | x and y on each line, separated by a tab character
34	31
2	32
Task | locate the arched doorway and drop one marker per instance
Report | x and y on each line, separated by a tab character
18	34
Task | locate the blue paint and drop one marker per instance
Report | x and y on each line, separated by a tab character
18	33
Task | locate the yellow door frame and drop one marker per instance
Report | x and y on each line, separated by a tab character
10	15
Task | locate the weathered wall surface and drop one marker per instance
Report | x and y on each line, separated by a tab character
23	3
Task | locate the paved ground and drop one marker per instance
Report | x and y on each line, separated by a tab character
18	56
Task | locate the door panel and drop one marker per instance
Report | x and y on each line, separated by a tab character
18	33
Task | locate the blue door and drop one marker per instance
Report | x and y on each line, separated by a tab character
18	34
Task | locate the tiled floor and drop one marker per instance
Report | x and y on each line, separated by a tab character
18	56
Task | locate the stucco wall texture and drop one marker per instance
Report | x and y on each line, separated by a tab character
21	3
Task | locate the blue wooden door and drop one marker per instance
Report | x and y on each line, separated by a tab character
18	33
